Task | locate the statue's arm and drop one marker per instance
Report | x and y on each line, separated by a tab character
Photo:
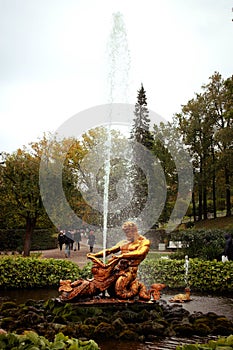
109	251
140	252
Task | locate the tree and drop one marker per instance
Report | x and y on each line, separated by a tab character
197	129
219	97
140	134
141	123
174	159
206	125
20	187
20	191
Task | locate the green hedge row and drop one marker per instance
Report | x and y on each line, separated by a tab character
20	272
203	276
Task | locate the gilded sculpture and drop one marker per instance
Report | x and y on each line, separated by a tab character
117	277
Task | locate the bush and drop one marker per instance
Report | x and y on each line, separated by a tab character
203	276
224	343
31	340
20	272
203	244
13	239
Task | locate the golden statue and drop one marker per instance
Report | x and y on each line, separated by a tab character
119	275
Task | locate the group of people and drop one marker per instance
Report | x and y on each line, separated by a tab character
72	238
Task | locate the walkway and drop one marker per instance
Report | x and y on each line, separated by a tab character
79	256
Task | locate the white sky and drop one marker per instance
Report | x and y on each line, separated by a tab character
53	63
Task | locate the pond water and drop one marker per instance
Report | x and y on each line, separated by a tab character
163	344
20	296
203	303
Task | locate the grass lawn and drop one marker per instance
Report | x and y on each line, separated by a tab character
157	255
218	223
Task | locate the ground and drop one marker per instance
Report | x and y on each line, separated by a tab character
79	256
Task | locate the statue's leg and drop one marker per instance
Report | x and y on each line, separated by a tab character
143	292
84	290
126	287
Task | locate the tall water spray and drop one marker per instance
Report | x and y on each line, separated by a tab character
186	267
119	65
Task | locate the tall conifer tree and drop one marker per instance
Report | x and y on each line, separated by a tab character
140	134
141	123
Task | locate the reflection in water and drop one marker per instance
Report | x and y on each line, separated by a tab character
205	303
163	344
20	296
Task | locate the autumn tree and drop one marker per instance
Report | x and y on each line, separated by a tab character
20	191
219	99
20	186
206	125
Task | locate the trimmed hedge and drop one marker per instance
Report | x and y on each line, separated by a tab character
204	276
20	272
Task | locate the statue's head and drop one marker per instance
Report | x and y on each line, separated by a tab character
131	230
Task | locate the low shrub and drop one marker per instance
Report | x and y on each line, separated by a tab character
13	239
203	244
20	272
205	276
31	340
224	343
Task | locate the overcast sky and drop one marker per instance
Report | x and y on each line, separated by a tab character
53	57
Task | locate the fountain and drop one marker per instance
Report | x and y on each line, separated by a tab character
117	277
118	57
115	282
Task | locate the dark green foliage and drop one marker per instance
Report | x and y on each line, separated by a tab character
141	123
32	341
169	272
86	271
124	321
19	272
219	344
140	135
203	276
203	244
12	239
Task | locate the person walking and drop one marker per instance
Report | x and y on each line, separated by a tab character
91	240
77	239
60	239
68	244
228	250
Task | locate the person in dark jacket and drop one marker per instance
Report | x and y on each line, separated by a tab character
60	239
228	250
91	240
77	239
68	244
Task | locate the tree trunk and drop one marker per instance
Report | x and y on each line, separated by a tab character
200	189
214	185
205	210
228	192
30	225
205	207
194	207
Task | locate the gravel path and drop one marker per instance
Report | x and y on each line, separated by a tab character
79	256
